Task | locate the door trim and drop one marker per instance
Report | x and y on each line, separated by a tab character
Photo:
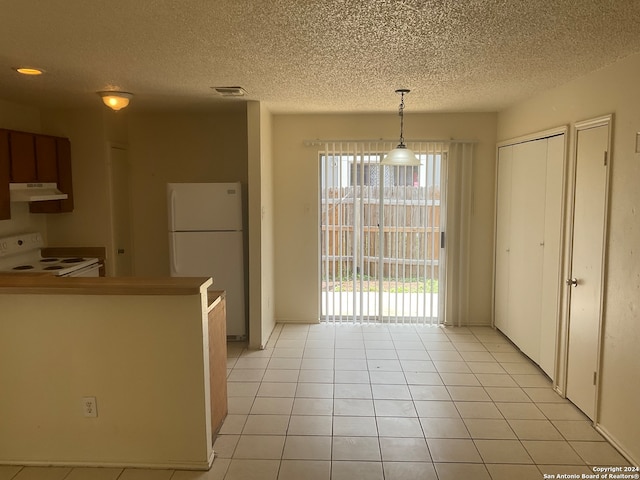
605	120
552	132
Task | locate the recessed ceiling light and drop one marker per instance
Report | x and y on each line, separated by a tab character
29	71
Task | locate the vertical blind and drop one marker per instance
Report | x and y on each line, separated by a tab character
382	233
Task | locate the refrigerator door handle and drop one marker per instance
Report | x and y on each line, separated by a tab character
174	256
172	214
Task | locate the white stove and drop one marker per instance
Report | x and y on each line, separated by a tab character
22	254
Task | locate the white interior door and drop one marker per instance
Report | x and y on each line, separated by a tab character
586	280
121	243
503	239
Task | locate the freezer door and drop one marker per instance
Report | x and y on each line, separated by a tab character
204	206
218	255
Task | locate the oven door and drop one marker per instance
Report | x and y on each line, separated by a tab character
88	271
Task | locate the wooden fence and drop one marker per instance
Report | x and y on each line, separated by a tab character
351	232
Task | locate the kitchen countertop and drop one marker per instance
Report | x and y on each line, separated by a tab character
25	274
51	285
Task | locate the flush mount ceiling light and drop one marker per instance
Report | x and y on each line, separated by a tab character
29	70
115	100
401	155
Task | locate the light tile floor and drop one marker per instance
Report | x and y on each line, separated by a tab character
385	402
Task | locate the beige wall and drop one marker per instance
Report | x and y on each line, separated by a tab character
267	226
162	147
261	262
295	183
611	90
89	131
19	117
179	147
88	224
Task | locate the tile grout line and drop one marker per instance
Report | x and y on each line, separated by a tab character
413	399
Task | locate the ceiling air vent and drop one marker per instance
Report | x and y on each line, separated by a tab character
230	91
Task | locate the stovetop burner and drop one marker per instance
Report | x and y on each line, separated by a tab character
22	253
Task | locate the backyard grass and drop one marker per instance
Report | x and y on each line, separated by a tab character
390	285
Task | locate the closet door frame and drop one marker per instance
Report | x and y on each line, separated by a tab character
561	130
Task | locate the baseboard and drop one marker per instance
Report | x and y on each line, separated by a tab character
76	464
603	431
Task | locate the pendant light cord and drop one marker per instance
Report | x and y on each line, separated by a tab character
401	113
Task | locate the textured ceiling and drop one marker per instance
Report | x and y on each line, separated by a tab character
309	55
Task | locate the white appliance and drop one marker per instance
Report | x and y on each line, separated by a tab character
206	240
21	254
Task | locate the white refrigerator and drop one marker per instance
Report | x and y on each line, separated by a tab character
206	240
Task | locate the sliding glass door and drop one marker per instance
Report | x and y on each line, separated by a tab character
380	235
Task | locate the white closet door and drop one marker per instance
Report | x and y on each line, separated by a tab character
528	242
503	239
527	238
552	258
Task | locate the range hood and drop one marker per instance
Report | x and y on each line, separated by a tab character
35	192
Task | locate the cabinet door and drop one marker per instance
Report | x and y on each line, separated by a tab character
5	205
23	157
62	151
65	184
218	364
46	158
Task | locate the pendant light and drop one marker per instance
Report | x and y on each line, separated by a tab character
401	155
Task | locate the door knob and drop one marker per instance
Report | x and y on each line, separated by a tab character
572	282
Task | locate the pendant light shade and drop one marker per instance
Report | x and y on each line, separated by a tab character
401	155
115	100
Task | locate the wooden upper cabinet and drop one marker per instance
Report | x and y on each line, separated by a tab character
30	158
23	157
5	174
65	183
46	158
62	172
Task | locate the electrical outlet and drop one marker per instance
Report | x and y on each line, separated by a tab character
89	406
